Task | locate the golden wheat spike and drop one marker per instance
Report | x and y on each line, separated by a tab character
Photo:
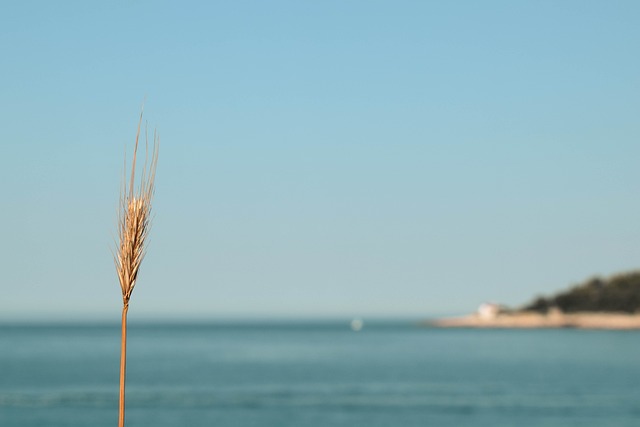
134	219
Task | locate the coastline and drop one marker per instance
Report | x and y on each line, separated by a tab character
533	320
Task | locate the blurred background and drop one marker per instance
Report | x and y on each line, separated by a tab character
331	174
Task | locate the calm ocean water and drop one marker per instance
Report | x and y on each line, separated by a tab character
318	375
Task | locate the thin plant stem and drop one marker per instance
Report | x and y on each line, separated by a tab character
123	365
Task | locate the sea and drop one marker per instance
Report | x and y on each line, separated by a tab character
317	374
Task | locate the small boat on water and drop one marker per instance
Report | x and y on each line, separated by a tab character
356	324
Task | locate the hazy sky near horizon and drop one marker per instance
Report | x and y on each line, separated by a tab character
334	158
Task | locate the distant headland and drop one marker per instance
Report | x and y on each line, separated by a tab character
612	303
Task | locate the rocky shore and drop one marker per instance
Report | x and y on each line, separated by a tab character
533	320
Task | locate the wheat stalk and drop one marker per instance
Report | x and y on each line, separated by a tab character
134	222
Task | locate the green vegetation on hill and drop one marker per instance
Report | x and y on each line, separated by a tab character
620	293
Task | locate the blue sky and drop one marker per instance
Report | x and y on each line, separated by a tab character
319	159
